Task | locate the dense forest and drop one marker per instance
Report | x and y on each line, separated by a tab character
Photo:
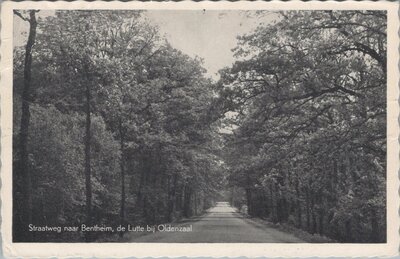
114	126
118	126
310	143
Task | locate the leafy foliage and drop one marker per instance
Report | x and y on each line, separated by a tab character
310	146
152	147
123	128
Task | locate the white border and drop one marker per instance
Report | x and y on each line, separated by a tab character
191	250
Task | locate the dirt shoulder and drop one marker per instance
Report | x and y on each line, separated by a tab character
299	233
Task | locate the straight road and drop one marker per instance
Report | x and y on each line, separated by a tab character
220	225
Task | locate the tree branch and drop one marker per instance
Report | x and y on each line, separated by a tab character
20	16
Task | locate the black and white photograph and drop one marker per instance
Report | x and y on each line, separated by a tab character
200	126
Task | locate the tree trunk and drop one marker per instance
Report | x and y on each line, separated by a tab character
195	203
172	197
249	202
273	214
233	196
139	195
26	188
298	206
141	202
321	222
308	210
122	164
186	205
313	214
374	237
87	160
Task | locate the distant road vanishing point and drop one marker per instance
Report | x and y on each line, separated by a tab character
221	224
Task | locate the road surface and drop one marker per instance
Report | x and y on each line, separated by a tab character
220	225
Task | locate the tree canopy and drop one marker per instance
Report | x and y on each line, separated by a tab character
115	126
310	147
119	124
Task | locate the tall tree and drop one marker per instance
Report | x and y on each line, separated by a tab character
300	105
121	122
120	94
23	166
75	52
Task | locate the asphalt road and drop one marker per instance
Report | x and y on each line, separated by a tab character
220	225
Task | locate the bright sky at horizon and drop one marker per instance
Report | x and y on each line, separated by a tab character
209	34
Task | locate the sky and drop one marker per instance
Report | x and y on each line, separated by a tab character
208	34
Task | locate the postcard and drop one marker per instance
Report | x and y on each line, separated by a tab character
199	129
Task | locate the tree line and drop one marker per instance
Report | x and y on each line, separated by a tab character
112	125
309	149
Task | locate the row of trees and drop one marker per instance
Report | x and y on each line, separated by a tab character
309	150
111	126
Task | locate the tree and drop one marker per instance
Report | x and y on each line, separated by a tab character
24	173
120	91
312	114
85	56
121	125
